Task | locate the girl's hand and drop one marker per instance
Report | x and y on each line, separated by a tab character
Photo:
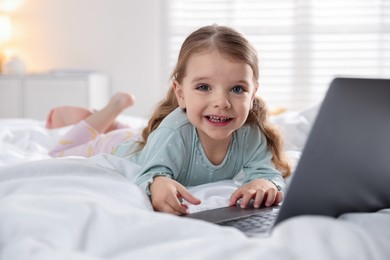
166	194
262	191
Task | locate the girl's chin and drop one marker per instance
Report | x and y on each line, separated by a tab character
218	135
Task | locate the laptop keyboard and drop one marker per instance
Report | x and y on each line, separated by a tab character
255	224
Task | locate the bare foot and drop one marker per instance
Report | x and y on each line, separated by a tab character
119	102
65	116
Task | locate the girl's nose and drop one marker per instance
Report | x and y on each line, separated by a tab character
222	101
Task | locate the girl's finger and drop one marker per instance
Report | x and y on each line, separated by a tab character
176	206
259	198
279	197
185	194
248	195
271	197
235	197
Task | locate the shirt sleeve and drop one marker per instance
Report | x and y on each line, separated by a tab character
259	163
163	155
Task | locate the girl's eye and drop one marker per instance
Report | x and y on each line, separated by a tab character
238	89
203	87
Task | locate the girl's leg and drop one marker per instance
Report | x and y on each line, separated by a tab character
92	127
65	116
101	144
104	120
74	142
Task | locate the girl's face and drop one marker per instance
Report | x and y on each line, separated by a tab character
217	93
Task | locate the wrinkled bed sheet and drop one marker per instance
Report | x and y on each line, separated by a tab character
77	208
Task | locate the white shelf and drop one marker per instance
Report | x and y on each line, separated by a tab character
33	95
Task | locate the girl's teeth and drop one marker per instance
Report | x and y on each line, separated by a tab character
218	119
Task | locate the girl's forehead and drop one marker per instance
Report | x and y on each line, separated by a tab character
214	53
214	62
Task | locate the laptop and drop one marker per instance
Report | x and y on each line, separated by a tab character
344	166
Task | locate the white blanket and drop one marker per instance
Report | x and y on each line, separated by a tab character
77	208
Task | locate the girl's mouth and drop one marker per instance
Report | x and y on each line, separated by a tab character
217	119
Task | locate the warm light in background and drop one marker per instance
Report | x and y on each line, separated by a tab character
9	5
6	9
5	29
5	36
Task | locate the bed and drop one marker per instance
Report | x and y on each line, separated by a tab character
88	208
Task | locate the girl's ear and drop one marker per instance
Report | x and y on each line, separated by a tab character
254	95
179	93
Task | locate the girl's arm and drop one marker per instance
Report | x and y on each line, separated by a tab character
258	161
261	181
161	156
162	159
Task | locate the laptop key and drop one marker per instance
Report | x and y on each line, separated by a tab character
253	224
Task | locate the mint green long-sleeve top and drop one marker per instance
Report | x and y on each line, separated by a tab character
175	151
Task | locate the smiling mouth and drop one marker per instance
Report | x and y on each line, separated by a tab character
217	119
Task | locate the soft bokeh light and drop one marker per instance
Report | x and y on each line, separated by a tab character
5	28
9	5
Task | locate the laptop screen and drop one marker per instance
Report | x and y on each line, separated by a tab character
345	165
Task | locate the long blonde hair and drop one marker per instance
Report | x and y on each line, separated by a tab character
232	43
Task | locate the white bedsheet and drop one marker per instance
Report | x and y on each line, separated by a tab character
77	208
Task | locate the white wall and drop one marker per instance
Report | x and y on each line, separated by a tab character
119	37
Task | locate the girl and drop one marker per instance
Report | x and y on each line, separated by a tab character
210	127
